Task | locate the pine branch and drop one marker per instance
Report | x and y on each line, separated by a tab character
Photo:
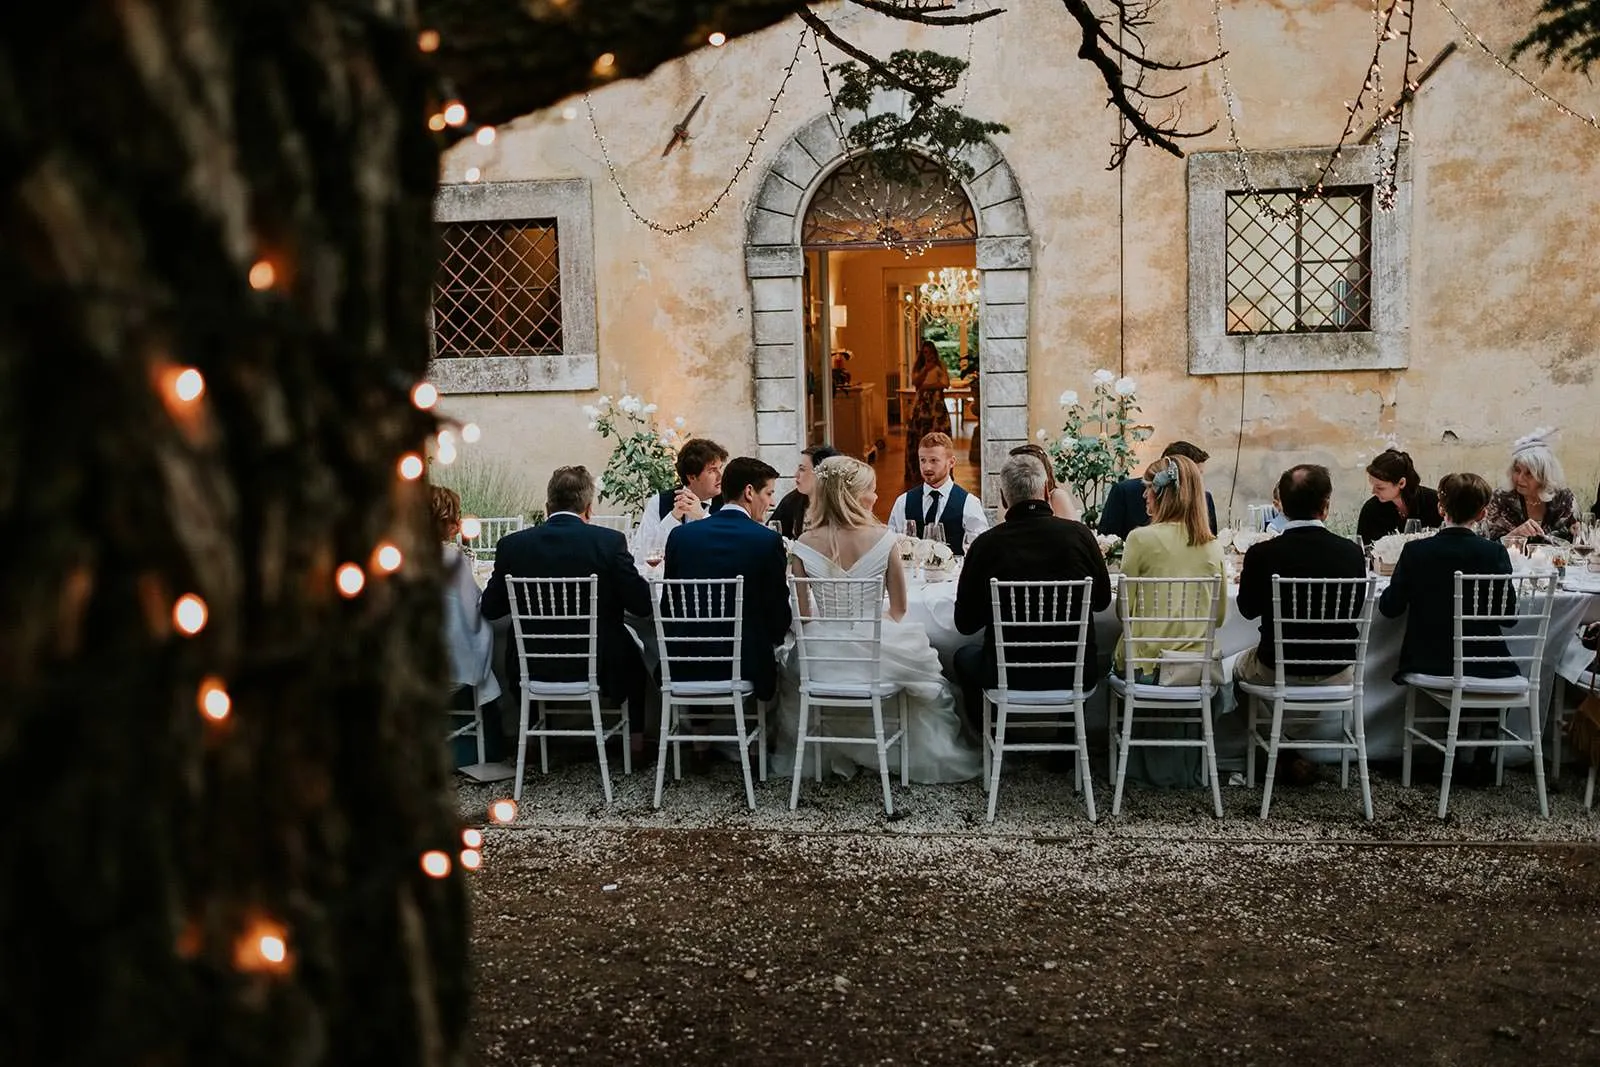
1568	30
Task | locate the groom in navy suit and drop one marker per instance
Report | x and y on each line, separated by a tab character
735	542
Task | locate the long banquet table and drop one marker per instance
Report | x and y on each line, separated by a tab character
932	604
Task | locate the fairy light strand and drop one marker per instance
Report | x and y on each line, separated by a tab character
670	229
1472	36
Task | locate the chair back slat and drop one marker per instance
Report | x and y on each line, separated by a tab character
840	632
1330	618
1502	619
699	626
1040	627
1167	613
556	627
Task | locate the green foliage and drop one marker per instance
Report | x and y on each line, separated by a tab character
644	460
1097	441
946	337
891	141
1566	29
488	488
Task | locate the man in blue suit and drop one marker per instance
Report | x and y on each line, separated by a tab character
735	542
1124	510
565	545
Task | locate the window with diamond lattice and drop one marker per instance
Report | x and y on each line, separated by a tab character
1308	273
498	290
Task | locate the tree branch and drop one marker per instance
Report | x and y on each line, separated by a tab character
921	15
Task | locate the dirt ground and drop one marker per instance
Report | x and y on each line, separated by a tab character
627	945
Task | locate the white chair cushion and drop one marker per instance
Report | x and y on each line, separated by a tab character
1301	692
1443	682
551	690
1156	693
709	689
1034	697
852	690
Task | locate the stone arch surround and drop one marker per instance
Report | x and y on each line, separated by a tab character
775	266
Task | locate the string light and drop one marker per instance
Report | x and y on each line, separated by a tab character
445	450
189	614
387	558
455	113
471	859
428	41
472	174
472	838
214	700
503	811
1472	35
471	433
605	63
435	864
424	395
738	172
436	122
471	528
410	466
717	40
350	579
263	946
485	135
187	385
569	113
262	275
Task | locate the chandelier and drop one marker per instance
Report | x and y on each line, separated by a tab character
950	294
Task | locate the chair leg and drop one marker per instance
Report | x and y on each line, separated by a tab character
800	751
1537	744
600	745
1083	759
1358	723
1274	740
1344	753
522	747
999	758
1406	738
744	751
668	709
1122	755
820	731
986	742
1211	755
1452	730
883	753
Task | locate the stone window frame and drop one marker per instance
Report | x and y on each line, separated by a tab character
1212	350
576	368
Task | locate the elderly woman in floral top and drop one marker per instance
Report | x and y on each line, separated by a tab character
1538	503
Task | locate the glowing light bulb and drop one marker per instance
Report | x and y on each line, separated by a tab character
471	859
472	174
188	385
472	838
350	579
569	113
273	948
471	433
446	452
388	558
605	63
717	40
503	811
189	614
455	113
424	395
214	700
435	864
410	466
485	136
263	275
428	41
471	528
436	122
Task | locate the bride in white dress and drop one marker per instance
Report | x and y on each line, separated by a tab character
843	539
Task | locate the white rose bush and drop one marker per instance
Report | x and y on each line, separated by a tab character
644	459
1095	449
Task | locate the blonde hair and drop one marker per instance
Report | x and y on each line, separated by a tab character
841	483
1180	496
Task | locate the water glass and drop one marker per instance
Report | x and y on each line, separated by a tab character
1413	526
1515	543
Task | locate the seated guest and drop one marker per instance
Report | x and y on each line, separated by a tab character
1538	502
468	638
565	545
699	481
1124	511
938	499
790	514
1424	585
1398	495
1305	549
1032	545
734	542
1063	505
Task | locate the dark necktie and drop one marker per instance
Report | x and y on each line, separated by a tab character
933	509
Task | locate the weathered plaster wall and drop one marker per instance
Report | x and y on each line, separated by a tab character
1505	324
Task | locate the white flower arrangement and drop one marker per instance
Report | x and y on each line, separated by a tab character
1386	550
1241	540
644	459
1110	544
1098	437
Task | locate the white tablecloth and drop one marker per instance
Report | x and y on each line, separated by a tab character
933	605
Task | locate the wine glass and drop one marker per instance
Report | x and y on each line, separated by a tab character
1413	526
1515	543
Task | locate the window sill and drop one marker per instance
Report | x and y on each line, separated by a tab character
566	372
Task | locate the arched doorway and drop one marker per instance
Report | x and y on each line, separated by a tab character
784	310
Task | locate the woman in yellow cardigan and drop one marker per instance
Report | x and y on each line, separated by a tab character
1178	543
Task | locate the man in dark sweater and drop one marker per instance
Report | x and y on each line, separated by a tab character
1124	510
1032	545
1305	549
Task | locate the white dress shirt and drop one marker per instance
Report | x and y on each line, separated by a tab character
654	528
973	520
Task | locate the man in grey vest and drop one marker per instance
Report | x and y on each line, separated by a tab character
939	500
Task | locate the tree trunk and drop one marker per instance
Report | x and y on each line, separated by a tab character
150	152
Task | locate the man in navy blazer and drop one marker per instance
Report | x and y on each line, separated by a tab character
1423	586
735	542
1124	510
565	545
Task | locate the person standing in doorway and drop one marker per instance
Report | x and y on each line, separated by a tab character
930	379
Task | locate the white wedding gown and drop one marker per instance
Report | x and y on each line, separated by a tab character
938	750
